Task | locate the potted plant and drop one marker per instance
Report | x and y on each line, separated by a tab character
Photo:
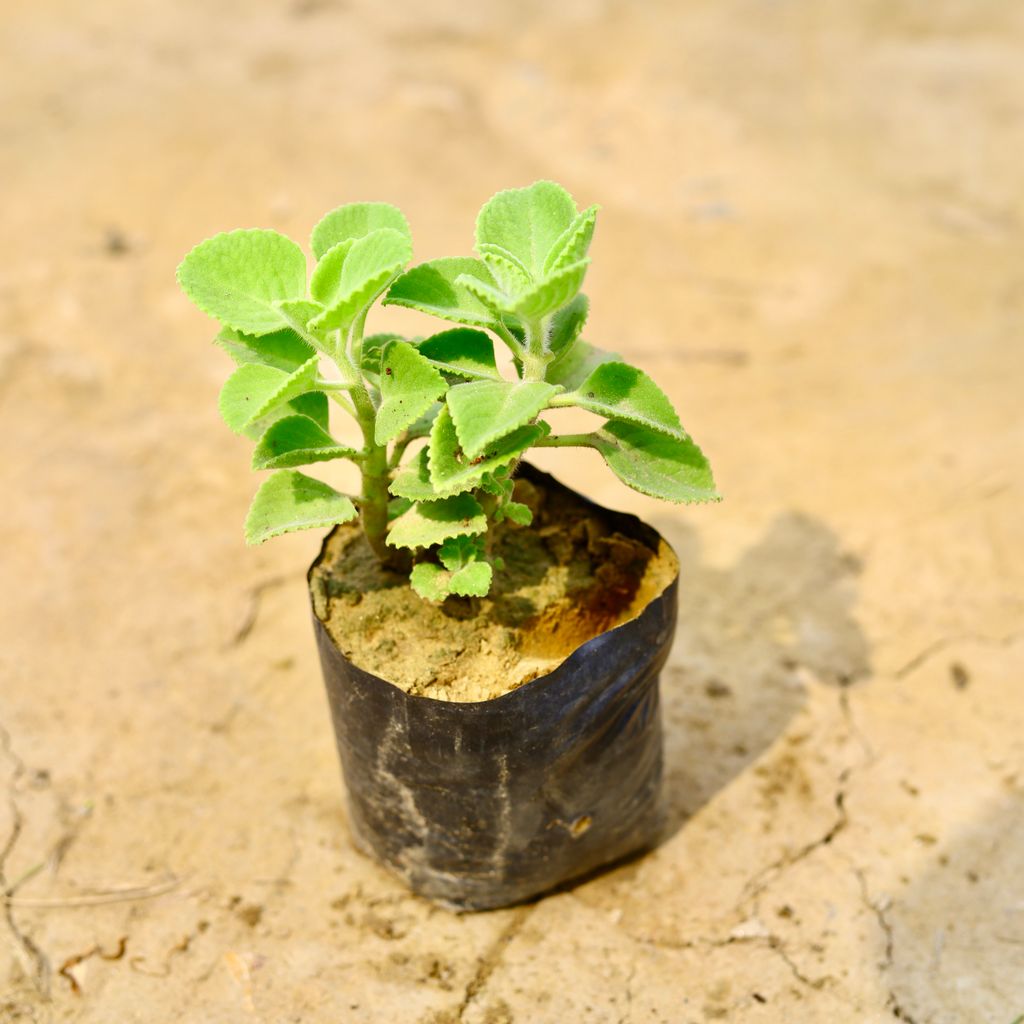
490	640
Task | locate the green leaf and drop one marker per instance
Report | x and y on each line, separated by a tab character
296	441
290	501
518	513
312	405
431	522
373	349
574	243
462	352
413	481
433	288
451	471
551	293
325	283
622	392
238	276
485	410
527	222
354	221
512	277
660	466
430	581
358	274
567	323
409	386
576	363
284	349
253	390
457	552
472	581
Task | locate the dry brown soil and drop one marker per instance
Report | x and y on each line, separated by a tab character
811	236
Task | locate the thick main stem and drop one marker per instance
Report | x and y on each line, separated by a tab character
376	476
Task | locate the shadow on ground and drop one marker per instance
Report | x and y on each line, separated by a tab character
731	684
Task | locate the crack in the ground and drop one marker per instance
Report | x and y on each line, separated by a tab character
34	962
938	646
248	622
770	941
491	959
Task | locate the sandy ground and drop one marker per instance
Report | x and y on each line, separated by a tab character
811	234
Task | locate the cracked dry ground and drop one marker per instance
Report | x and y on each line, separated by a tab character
811	235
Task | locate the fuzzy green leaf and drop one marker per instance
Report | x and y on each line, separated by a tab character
290	501
574	243
457	552
527	222
622	392
654	464
452	471
373	349
430	581
254	390
567	323
239	276
354	221
356	273
551	293
413	480
284	349
511	276
462	352
576	363
485	410
296	441
474	580
431	522
325	283
312	405
517	512
433	288
409	386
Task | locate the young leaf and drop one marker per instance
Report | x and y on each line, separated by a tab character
284	349
354	221
576	363
552	292
457	552
574	243
462	352
431	522
622	392
567	323
451	471
649	462
355	278
326	280
433	288
239	276
517	512
485	410
290	501
413	481
512	277
409	386
254	390
430	581
373	348
296	441
312	405
527	222
474	580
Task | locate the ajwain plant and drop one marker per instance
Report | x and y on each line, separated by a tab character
437	506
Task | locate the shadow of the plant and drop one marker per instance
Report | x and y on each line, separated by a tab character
730	686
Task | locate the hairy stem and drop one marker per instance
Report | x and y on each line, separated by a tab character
566	441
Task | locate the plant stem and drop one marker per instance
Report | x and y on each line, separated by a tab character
566	441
